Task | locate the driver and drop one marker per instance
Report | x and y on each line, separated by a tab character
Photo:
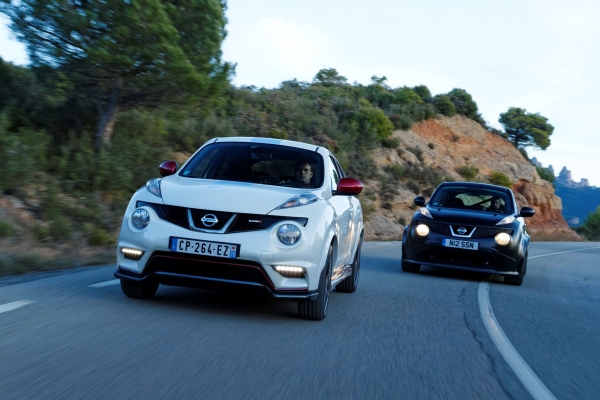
496	205
304	173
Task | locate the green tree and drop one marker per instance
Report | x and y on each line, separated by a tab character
373	121
423	92
123	54
464	104
526	129
591	227
329	77
444	105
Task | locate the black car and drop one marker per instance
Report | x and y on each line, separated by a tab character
469	226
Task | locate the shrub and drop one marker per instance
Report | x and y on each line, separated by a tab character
455	137
591	227
6	229
402	121
414	187
417	152
390	143
444	105
431	146
545	174
469	172
464	104
423	92
395	171
498	178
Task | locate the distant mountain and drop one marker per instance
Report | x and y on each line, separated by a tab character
564	179
578	202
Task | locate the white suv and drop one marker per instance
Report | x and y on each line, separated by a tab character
255	214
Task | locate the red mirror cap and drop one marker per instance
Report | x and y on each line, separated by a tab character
349	186
167	168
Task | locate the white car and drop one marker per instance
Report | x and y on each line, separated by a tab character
256	214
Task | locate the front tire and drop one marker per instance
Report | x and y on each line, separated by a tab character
317	310
408	266
137	290
350	284
517	280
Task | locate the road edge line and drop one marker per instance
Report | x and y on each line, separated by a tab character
561	252
528	378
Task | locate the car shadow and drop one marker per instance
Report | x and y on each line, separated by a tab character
460	274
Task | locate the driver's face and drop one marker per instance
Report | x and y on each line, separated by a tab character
497	203
304	173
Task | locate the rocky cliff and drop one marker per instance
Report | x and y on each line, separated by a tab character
449	149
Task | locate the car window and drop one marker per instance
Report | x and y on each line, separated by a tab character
335	177
256	163
477	199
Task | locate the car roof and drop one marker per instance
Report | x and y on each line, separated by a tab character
475	185
262	140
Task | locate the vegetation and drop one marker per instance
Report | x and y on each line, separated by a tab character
469	172
591	227
498	178
546	173
526	129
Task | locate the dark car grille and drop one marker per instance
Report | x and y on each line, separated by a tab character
480	232
207	267
242	222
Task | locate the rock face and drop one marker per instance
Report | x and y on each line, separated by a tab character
564	179
446	145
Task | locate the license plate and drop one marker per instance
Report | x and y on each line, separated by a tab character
460	244
202	247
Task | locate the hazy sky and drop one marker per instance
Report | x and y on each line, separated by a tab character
541	55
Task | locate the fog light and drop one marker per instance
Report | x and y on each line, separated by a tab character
132	254
422	230
288	234
290	271
502	238
140	218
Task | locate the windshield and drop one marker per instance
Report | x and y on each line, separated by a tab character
470	198
265	164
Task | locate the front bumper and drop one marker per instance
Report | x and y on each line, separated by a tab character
489	258
207	273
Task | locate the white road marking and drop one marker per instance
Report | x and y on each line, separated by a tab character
561	252
107	283
525	374
14	305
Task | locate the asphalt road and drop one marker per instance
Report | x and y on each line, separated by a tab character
400	336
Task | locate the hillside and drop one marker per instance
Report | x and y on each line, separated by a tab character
436	150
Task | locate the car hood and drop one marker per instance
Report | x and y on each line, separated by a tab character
467	217
220	195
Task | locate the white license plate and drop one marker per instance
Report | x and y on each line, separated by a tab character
460	244
201	247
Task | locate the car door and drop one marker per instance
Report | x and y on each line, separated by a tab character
344	213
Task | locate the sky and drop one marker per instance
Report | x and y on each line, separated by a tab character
541	55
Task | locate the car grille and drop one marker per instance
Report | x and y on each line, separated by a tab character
480	232
242	222
207	267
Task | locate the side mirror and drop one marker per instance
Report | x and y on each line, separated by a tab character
527	212
167	168
349	187
420	201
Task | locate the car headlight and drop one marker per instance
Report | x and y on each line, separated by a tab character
422	230
153	186
288	234
297	201
506	220
140	218
502	238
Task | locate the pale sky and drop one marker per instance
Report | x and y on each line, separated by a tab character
541	55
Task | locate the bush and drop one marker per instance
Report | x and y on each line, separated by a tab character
417	152
498	178
7	230
431	146
464	104
390	143
444	105
591	227
545	174
395	171
469	172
